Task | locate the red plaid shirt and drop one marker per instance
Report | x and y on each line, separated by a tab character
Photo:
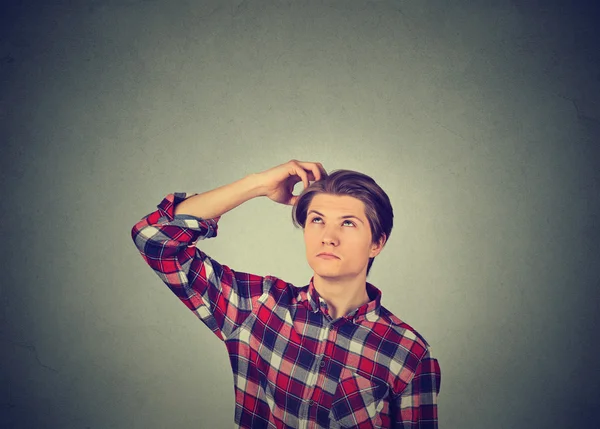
293	365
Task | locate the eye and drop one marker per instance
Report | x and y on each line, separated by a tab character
317	218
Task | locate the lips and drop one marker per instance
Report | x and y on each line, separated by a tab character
327	255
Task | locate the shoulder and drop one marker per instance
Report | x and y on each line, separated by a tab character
402	330
278	288
277	284
281	297
410	349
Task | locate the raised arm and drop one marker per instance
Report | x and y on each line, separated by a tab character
276	183
215	203
166	238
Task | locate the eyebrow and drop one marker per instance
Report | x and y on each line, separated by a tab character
341	217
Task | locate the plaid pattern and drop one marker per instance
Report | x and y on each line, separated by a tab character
293	365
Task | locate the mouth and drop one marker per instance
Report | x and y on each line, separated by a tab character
327	256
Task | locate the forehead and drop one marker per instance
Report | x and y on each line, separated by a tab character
337	205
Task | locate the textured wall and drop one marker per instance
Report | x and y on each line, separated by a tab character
482	123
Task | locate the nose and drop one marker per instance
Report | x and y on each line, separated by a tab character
330	236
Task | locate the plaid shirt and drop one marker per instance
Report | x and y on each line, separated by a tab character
293	365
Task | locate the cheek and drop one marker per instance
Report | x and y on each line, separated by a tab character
308	238
359	243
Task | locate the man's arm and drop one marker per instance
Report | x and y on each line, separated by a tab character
416	406
276	183
221	297
215	203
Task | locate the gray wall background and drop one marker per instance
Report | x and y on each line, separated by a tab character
480	119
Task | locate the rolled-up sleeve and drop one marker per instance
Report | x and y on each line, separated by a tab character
221	297
416	406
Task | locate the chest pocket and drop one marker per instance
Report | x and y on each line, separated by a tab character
358	401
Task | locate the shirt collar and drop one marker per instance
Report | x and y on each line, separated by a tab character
369	311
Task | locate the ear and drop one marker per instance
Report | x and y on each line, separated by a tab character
376	248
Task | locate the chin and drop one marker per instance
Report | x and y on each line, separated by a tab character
324	273
325	270
328	274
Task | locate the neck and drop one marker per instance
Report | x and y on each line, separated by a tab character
342	295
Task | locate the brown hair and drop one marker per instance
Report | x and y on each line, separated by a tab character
378	208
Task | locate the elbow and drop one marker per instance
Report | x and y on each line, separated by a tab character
154	243
140	234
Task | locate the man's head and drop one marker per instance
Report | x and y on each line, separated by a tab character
321	211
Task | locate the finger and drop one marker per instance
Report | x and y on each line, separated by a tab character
302	174
317	171
323	171
313	171
315	168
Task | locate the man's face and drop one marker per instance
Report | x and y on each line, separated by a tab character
337	224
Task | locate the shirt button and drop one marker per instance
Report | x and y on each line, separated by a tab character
312	402
322	363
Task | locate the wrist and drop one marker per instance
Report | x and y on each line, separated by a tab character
255	185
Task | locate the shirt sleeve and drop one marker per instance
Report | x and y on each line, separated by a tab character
416	406
219	296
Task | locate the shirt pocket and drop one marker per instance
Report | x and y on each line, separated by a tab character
358	400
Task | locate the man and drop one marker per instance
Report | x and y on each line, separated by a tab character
325	355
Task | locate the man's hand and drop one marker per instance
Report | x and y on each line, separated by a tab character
278	182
